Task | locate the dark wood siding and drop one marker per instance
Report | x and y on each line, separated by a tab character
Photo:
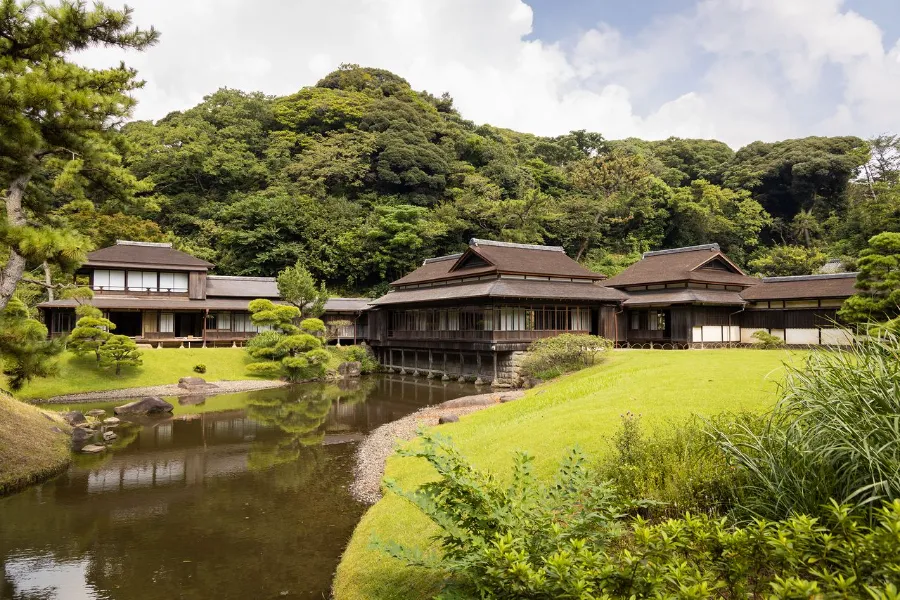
788	319
612	326
682	320
197	285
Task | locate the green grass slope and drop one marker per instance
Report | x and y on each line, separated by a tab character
31	445
581	409
161	366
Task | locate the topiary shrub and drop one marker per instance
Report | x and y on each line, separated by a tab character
766	340
550	357
201	368
363	355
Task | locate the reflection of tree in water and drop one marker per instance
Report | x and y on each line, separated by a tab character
301	415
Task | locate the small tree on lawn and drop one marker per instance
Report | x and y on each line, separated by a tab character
878	283
298	287
120	350
286	349
91	331
25	351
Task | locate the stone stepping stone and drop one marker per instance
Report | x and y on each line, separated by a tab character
93	449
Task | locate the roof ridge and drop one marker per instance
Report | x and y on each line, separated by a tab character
480	242
147	244
710	247
241	277
814	277
435	259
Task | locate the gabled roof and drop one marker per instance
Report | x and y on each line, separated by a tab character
684	296
518	289
699	264
347	304
832	285
490	257
241	287
152	255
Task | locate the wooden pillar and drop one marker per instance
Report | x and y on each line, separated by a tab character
204	317
478	364
402	358
495	367
445	363
430	363
461	365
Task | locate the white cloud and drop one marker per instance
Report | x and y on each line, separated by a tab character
737	70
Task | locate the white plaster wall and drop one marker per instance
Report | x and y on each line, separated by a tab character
697	334
779	333
734	334
712	333
808	337
836	337
747	335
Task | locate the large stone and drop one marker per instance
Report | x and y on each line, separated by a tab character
97	413
351	368
93	449
81	435
192	400
74	418
193	383
147	406
448	419
109	436
111	421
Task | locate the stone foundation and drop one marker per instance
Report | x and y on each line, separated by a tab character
456	366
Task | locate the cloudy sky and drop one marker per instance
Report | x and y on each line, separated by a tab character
735	70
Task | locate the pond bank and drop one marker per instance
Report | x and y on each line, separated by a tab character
34	445
381	443
214	387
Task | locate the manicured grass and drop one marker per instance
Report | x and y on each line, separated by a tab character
161	366
30	449
581	409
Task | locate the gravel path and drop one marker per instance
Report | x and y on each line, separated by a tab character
381	443
216	387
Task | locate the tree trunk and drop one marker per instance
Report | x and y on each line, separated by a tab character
584	244
48	280
12	272
118	367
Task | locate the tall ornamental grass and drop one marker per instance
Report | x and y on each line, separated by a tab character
834	434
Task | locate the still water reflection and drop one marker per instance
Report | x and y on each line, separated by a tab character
235	496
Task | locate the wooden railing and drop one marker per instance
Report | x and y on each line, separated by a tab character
479	335
168	292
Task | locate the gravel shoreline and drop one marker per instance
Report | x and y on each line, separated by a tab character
214	387
374	451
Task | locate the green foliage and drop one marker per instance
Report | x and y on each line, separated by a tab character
295	352
766	340
878	282
678	469
58	142
781	261
833	434
90	332
200	368
25	351
364	356
119	351
553	356
572	539
297	286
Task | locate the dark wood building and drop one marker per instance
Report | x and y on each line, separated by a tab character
159	295
471	315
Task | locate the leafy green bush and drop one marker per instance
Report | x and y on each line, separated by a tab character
363	355
835	433
679	468
553	356
200	368
572	538
767	341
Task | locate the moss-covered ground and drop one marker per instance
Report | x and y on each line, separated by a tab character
580	409
34	444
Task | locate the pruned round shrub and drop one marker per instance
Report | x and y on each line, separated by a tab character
201	368
364	356
766	340
265	369
553	356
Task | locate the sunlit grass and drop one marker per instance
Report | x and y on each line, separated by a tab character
31	445
581	409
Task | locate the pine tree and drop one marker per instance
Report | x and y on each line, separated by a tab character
25	351
58	122
120	350
297	286
90	333
878	282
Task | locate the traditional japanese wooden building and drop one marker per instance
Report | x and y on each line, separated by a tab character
159	295
472	314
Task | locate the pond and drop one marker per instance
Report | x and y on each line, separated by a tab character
232	496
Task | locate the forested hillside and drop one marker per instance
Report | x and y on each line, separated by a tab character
361	177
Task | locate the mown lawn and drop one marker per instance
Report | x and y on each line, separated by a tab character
161	366
34	444
581	409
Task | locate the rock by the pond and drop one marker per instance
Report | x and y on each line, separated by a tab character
192	400
351	368
151	405
80	435
96	412
111	421
73	418
93	449
193	383
479	381
448	419
109	436
445	377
